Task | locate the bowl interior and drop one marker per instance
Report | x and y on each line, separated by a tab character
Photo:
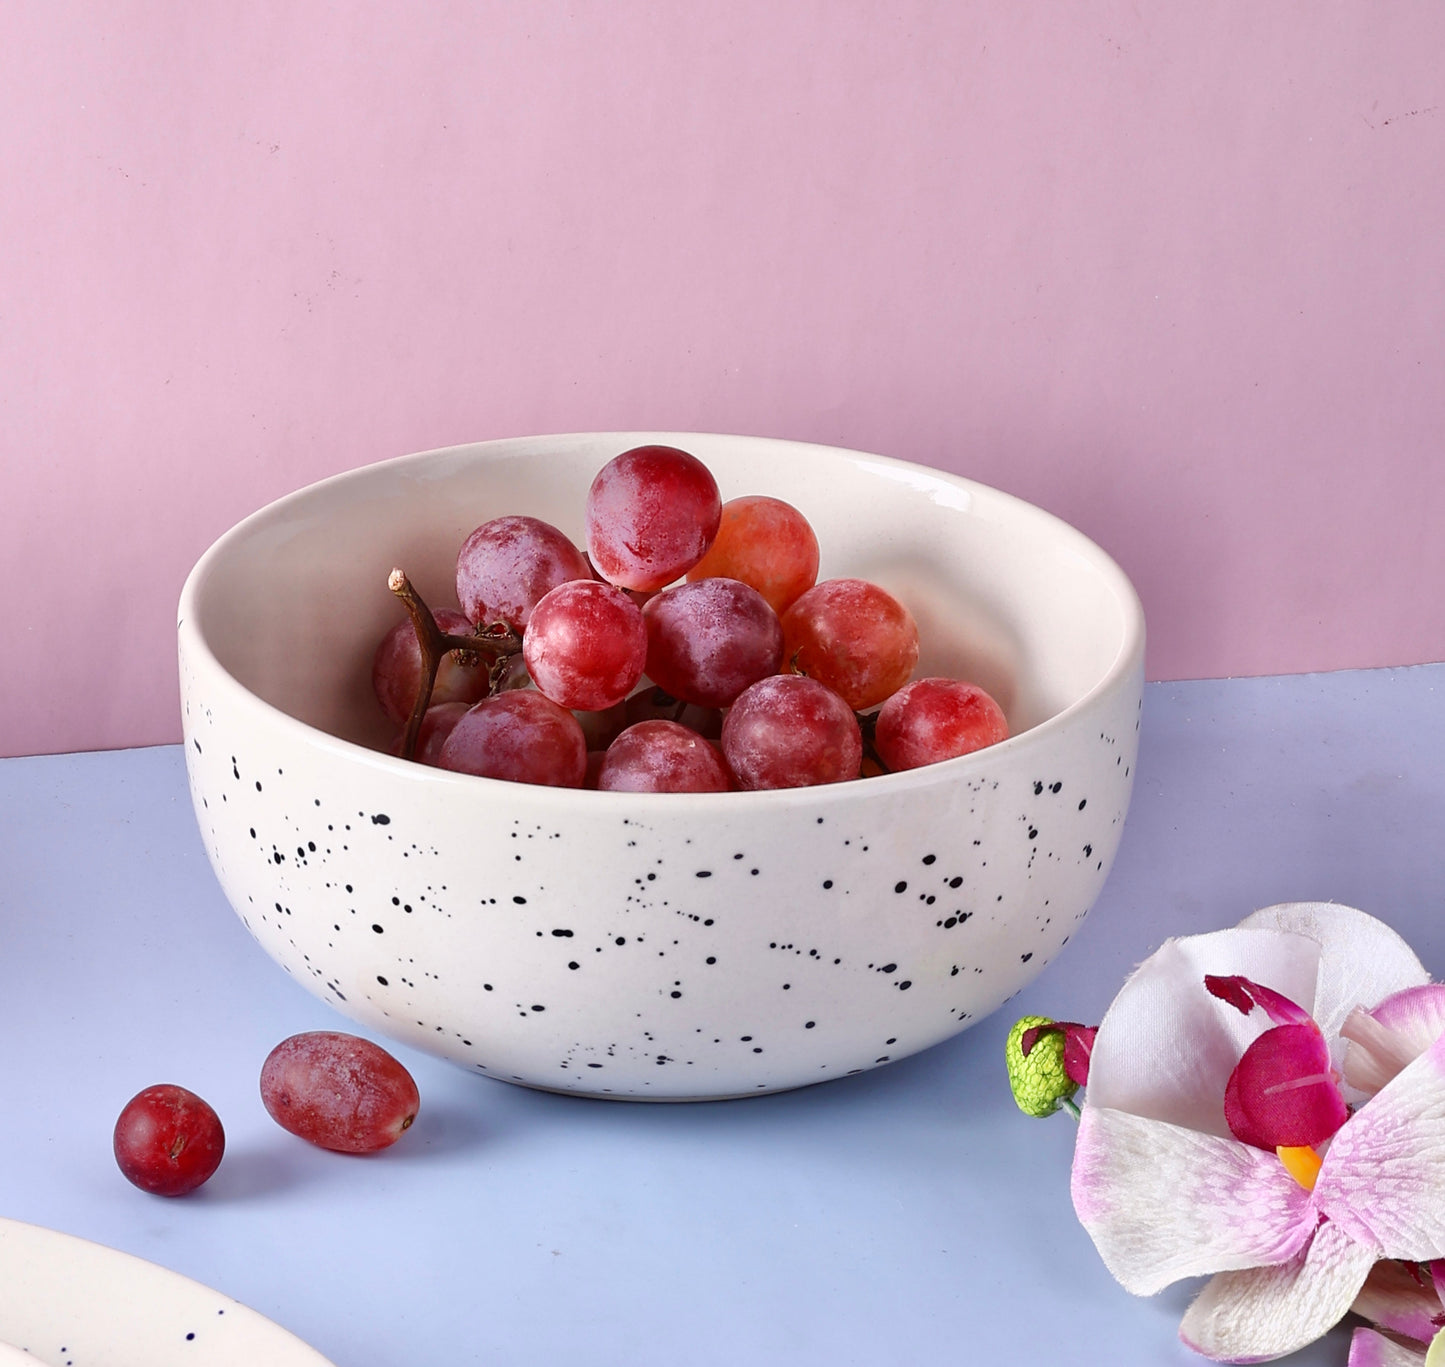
293	601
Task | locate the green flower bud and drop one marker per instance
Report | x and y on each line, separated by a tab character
1039	1081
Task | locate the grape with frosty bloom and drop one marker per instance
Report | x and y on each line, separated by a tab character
709	639
788	731
586	645
521	736
506	566
652	513
396	669
853	636
930	720
662	757
338	1091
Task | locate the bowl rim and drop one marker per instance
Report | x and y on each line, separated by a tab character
1127	663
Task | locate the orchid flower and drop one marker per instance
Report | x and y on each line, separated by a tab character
1404	1302
1266	1105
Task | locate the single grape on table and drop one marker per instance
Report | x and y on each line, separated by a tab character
168	1141
338	1091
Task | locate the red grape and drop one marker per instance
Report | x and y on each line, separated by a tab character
522	736
586	645
436	726
657	704
396	669
662	757
854	637
787	731
600	729
652	512
934	719
338	1091
168	1141
507	565
766	543
708	640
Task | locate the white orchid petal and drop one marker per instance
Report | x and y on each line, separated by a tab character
1363	960
1394	1034
1369	1349
1395	1298
1374	1053
1383	1176
1266	1312
1163	1202
1165	1048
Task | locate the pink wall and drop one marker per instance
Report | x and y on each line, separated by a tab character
1172	271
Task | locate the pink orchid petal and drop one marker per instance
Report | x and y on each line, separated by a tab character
1437	1280
1166	1048
1266	1312
1078	1045
1369	1349
1282	1091
1244	996
1078	1049
1396	1297
1163	1202
1386	1039
1362	960
1383	1178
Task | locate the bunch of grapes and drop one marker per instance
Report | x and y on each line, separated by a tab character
690	649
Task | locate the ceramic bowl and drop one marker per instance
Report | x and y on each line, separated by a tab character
657	946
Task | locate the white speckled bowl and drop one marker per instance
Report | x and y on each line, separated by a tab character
657	946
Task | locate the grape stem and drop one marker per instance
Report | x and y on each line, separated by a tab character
868	725
496	642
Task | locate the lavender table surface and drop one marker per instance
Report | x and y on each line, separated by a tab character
910	1214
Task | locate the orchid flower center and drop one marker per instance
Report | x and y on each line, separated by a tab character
1301	1162
1283	1093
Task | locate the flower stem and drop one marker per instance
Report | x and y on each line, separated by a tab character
1071	1107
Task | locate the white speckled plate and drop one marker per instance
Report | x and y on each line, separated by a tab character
71	1303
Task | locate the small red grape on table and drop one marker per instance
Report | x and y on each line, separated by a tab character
167	1140
338	1091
